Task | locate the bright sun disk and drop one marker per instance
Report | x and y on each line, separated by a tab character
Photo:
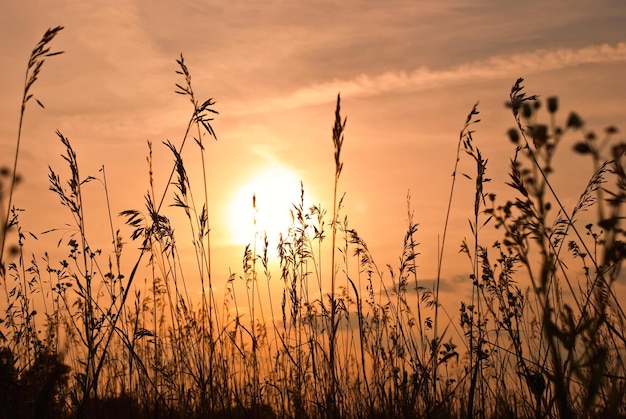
275	191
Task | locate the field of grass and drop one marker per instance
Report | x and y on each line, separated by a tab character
88	336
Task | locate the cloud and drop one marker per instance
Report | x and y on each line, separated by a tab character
423	78
450	284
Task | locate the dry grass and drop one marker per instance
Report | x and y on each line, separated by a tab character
83	336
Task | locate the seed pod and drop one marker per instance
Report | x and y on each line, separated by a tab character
553	104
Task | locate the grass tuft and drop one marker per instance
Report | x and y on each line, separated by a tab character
542	333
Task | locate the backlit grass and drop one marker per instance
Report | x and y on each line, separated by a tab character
542	334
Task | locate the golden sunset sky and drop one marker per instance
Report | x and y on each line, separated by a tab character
408	72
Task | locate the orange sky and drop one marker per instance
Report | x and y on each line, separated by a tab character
408	72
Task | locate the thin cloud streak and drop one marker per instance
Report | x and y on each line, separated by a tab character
424	78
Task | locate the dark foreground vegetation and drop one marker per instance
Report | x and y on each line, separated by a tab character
87	336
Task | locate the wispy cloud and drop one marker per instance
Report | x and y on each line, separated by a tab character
495	67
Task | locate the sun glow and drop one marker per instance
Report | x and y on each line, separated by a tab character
262	205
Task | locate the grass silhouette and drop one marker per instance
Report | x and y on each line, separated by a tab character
83	337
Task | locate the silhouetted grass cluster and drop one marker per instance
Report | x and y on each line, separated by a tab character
85	336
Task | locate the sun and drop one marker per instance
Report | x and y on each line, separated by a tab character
274	191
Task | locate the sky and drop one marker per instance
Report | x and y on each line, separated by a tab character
408	72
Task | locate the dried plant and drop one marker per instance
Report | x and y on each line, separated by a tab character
541	335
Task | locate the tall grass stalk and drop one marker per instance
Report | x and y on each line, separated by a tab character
35	63
338	129
435	344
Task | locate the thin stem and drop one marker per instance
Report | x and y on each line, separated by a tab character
35	62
